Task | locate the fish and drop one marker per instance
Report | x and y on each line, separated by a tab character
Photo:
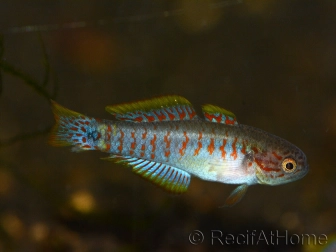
164	141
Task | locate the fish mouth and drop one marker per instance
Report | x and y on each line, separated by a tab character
305	170
299	174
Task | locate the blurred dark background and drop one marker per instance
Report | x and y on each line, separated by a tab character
270	62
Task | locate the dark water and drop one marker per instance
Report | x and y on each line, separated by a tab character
270	62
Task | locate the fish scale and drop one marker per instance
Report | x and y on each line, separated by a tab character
159	131
164	141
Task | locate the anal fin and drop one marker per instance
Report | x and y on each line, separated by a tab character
172	179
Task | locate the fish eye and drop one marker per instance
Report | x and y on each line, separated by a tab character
289	165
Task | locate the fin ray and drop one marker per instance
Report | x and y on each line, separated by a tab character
164	108
216	114
71	129
172	179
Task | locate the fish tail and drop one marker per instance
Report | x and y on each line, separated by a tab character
71	129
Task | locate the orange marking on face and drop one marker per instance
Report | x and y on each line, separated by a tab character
131	152
86	146
184	144
222	149
211	146
250	164
108	136
266	169
276	156
234	153
98	135
281	175
143	147
198	148
77	134
83	129
142	154
121	141
152	156
74	128
255	150
76	123
286	152
87	122
167	153
83	139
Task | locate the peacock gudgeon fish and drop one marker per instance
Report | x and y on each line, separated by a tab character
166	142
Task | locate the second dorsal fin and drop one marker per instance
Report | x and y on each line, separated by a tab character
164	108
216	114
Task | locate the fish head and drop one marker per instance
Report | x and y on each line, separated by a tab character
281	164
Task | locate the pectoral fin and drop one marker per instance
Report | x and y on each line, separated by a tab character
236	195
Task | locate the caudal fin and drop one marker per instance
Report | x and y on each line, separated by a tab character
71	129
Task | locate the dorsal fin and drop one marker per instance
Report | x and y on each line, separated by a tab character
164	108
216	114
172	179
